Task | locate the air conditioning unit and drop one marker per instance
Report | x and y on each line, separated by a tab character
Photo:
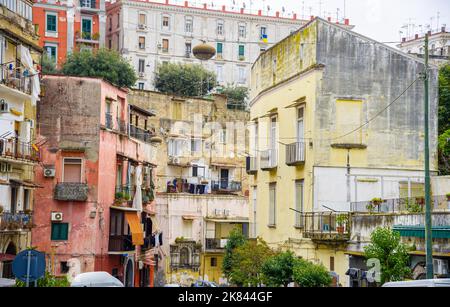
57	216
142	26
4	107
49	172
440	266
223	243
159	46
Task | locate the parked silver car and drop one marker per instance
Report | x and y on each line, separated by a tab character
445	282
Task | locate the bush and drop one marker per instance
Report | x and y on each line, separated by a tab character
237	96
278	269
47	281
308	274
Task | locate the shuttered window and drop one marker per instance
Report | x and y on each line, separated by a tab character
60	231
272	204
298	203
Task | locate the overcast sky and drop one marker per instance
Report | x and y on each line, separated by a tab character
379	19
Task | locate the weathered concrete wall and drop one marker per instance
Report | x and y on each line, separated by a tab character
358	68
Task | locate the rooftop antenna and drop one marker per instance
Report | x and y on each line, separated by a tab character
345	16
337	14
438	15
303	10
320	7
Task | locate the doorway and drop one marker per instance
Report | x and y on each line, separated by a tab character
224	177
129	274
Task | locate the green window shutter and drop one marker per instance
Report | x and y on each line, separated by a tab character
60	231
86	28
241	50
51	23
219	47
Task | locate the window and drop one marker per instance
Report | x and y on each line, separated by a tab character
142	19
213	262
188	24
60	231
86	27
184	256
349	116
272	204
302	51
331	264
188	49
26	199
118	20
273	133
51	50
141	68
109	44
72	170
165	45
300	125
110	24
51	22
187	228
87	3
263	32
141	42
196	145
298	203
141	85
241	74
165	22
241	50
64	268
242	31
223	136
220	27
219	48
176	147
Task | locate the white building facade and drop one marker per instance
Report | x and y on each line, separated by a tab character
151	33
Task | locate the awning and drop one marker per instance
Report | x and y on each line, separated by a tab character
297	103
137	234
224	165
236	220
189	217
418	231
25	183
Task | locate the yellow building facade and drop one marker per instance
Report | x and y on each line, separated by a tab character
313	154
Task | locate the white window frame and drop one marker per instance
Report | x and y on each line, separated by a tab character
81	168
143	65
139	42
242	75
299	191
51	33
220	27
139	18
56	50
92	25
242	30
272	205
168	22
189	24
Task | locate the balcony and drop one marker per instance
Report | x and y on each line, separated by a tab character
326	226
268	160
251	165
225	186
16	78
120	243
295	154
124	195
87	38
215	244
141	134
13	149
10	222
71	191
108	120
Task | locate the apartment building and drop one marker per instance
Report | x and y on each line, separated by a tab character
69	25
95	211
202	189
19	155
149	33
330	131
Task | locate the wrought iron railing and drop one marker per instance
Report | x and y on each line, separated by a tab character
122	126
140	134
125	193
15	221
268	159
326	225
108	120
295	153
213	244
120	243
400	205
226	185
13	148
16	78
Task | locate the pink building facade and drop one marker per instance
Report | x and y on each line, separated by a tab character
94	212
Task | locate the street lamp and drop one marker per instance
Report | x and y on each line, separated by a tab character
203	52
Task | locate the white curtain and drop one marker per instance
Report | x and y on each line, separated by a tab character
27	61
137	200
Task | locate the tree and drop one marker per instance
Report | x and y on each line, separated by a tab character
189	80
308	274
385	246
444	120
48	65
247	262
235	239
47	281
278	269
103	63
237	96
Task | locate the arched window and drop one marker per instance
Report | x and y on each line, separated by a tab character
184	256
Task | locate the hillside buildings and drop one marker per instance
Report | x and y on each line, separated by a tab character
202	188
19	155
336	120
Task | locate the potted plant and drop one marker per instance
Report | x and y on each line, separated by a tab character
373	204
96	36
341	220
1	209
420	200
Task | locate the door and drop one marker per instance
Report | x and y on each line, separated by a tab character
300	135
129	274
224	176
13	199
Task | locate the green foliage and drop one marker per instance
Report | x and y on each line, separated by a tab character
235	239
444	152
412	206
237	96
342	219
247	262
308	274
189	80
48	65
444	120
385	246
47	281
102	63
277	270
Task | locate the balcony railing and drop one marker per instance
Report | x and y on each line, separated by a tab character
251	165
400	205
268	159
124	194
326	226
295	154
108	120
120	243
224	185
212	244
122	126
71	191
15	149
16	78
140	134
15	221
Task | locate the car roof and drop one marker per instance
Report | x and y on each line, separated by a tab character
420	283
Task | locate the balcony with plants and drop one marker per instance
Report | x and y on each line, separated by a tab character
15	222
16	77
13	149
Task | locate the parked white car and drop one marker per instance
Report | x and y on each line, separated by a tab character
96	279
445	282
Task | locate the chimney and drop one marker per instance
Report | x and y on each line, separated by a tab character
443	29
242	10
259	12
329	19
167	1
403	39
223	8
416	36
347	21
312	17
295	16
205	6
277	14
186	3
429	33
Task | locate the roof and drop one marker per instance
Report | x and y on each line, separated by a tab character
142	111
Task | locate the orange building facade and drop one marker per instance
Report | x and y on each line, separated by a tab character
65	28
